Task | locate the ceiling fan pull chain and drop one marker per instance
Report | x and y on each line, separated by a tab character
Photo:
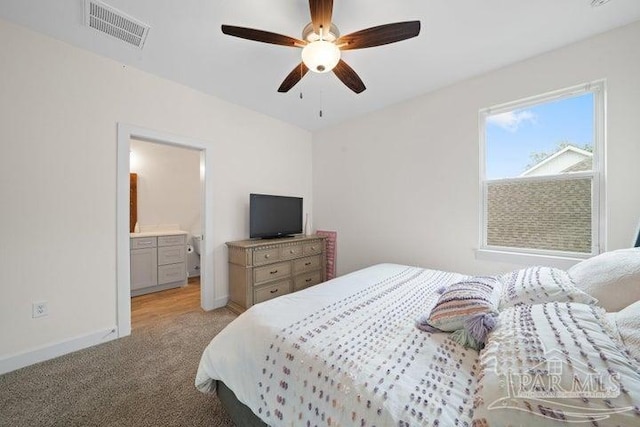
320	104
301	76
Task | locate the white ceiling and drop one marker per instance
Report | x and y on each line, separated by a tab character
459	39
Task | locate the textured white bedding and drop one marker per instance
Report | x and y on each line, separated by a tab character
347	352
557	364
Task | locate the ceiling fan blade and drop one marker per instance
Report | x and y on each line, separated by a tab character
349	77
380	35
321	11
262	36
293	78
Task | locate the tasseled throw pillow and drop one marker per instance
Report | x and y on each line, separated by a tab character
469	309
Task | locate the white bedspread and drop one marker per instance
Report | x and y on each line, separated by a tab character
347	353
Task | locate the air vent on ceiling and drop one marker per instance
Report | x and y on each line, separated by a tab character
115	23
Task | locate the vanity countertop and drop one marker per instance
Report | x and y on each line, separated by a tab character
158	233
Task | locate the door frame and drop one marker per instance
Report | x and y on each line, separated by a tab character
123	268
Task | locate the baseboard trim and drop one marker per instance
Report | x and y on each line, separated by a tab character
21	360
220	302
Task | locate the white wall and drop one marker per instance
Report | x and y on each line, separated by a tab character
402	184
59	107
168	185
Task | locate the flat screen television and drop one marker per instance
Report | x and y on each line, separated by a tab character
274	216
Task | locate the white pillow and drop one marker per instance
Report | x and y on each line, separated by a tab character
537	285
613	278
627	322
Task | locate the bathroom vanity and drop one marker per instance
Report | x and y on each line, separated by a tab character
158	261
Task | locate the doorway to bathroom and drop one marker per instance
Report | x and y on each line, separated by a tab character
171	206
165	220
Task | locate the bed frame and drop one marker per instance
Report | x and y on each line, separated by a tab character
240	413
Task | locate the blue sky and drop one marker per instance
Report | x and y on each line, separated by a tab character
511	137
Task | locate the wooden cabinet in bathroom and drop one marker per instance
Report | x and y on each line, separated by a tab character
158	262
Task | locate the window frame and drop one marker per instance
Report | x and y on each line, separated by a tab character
560	259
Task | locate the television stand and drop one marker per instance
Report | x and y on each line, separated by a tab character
262	269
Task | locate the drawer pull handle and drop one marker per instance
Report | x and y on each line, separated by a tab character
308	280
291	251
307	263
273	272
313	248
273	291
266	255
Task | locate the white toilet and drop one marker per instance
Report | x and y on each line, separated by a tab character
197	240
193	255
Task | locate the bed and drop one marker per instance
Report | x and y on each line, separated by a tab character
348	352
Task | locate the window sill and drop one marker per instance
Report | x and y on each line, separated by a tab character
527	259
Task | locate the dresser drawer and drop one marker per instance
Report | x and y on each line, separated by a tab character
143	242
272	272
312	248
171	254
271	291
306	264
293	251
176	240
264	256
305	280
171	273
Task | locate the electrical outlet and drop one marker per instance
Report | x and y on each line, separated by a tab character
39	309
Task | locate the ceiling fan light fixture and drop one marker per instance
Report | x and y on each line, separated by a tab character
322	44
321	56
309	35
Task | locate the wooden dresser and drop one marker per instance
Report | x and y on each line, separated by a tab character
263	269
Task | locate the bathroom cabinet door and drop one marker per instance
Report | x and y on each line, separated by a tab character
144	268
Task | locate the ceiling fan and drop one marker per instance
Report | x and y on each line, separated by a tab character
322	44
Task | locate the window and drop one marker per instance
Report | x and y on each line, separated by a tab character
542	174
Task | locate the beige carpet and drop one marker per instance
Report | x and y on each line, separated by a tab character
146	379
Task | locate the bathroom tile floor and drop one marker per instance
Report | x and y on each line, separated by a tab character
150	308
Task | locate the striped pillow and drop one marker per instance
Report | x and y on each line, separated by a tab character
469	309
538	285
